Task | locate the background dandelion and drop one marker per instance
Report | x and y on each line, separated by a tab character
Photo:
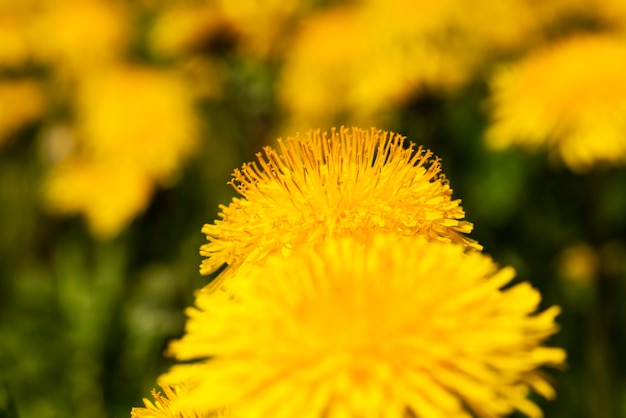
555	99
121	123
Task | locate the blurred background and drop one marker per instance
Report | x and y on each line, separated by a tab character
122	120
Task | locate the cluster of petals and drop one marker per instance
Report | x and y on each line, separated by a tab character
343	182
385	326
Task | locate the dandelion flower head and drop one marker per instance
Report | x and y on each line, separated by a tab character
323	58
339	183
395	327
135	128
139	112
377	54
555	98
69	25
381	54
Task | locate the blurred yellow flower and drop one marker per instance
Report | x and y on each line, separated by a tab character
135	127
110	193
260	23
77	35
143	113
255	27
379	54
15	21
390	327
501	25
372	55
184	27
569	97
418	42
22	101
333	183
187	33
324	59
162	406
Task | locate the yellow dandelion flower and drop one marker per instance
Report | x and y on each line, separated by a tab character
135	127
22	102
143	113
162	406
501	25
15	21
371	53
392	327
81	34
417	37
381	53
343	182
323	59
555	98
